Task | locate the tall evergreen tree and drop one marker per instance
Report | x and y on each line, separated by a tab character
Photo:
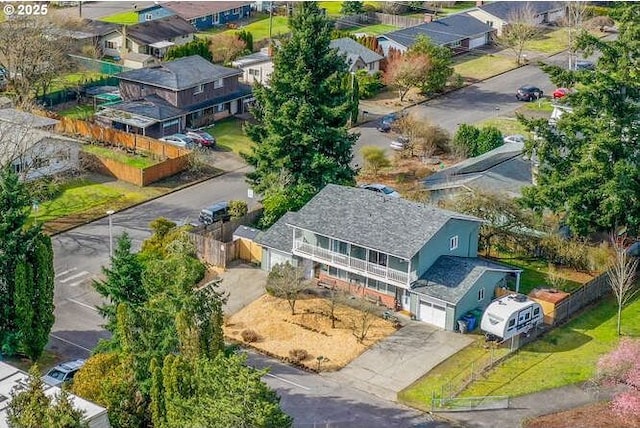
123	281
16	242
589	160
301	117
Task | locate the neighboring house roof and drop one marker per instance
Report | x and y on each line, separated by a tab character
182	73
450	277
279	236
152	107
255	58
30	120
138	57
443	31
501	170
505	9
99	28
353	49
158	30
18	140
191	9
394	226
11	377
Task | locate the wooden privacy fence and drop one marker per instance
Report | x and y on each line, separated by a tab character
172	159
585	295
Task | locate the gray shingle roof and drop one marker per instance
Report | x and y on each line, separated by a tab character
502	170
157	30
30	120
450	278
395	226
349	47
443	31
504	9
245	232
279	236
152	107
183	73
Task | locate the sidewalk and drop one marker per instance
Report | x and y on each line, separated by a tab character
529	406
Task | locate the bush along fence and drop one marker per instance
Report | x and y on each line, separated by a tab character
172	159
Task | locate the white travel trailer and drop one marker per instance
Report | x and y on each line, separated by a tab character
511	315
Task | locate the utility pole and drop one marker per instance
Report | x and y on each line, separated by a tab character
270	22
80	9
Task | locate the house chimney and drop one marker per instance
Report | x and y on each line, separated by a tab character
270	49
479	3
123	48
428	17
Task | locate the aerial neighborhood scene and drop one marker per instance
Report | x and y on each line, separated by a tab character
319	214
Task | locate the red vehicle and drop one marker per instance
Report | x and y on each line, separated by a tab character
560	92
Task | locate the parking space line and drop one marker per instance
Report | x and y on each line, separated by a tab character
69	342
78	275
77	302
65	272
288	381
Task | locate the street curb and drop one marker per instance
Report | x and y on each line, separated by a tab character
177	189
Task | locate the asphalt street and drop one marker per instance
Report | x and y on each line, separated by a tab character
79	255
100	9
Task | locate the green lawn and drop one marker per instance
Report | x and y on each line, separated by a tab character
457	7
229	136
549	42
543	105
259	28
136	161
564	356
122	18
333	7
74	79
534	274
78	112
373	30
482	67
506	125
567	355
88	199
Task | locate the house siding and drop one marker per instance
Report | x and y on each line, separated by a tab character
361	290
489	281
57	156
467	232
487	18
224	17
385	44
155	12
263	71
187	97
116	39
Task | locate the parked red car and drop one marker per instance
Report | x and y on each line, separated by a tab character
560	92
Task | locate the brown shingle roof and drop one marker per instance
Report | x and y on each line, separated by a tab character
191	9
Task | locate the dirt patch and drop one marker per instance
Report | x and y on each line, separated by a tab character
597	415
310	329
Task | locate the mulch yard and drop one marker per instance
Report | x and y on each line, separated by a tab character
593	416
310	329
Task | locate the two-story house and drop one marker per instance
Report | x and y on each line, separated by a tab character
164	99
402	254
202	14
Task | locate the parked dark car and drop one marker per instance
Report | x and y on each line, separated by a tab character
384	125
202	138
528	93
583	64
216	212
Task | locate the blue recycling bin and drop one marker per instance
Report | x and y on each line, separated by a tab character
470	319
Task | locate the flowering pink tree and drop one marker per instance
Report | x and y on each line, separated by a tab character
622	367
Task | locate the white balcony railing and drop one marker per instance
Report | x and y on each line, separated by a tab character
372	270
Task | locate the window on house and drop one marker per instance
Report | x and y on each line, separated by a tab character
148	17
453	243
378	258
481	294
219	109
17	167
536	311
111	45
192	22
254	72
490	23
236	11
198	89
339	247
216	18
218	84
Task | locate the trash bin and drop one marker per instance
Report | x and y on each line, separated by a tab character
470	320
462	326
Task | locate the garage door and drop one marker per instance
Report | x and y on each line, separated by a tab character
277	258
433	313
477	42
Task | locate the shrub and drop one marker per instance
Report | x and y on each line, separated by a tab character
369	85
489	138
45	189
464	140
237	208
369	7
249	336
375	159
298	355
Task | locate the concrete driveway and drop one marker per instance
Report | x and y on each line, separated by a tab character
399	360
244	283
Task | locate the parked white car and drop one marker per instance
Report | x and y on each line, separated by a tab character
179	140
517	138
399	144
382	189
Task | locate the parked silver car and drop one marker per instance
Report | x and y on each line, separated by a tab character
382	189
62	373
180	140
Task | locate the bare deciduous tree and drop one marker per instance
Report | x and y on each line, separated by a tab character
622	276
287	282
34	51
360	323
425	138
554	279
522	28
332	299
575	14
225	47
406	72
